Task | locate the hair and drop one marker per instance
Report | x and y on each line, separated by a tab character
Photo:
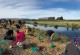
69	39
17	31
76	36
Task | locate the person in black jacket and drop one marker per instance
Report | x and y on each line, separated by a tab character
9	35
49	33
20	23
18	26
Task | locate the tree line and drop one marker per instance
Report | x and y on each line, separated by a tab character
47	19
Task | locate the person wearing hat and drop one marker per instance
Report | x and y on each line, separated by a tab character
20	39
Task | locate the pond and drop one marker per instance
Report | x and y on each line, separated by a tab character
70	32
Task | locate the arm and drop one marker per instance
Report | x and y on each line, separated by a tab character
16	40
51	36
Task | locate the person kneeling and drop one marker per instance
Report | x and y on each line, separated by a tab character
20	39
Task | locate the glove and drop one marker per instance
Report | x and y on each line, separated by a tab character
10	46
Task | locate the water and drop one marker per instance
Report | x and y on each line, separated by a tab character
71	33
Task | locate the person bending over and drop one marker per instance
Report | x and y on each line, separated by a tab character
9	35
20	39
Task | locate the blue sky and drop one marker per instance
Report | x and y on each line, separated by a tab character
33	9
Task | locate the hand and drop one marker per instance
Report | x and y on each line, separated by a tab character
10	46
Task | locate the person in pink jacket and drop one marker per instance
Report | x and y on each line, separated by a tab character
20	39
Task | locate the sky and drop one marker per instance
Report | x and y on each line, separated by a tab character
34	9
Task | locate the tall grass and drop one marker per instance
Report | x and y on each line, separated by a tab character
59	23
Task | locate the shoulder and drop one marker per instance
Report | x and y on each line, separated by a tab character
21	32
17	35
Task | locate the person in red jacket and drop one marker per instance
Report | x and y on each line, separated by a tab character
20	39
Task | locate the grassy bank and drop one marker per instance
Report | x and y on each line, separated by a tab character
60	44
55	36
45	42
59	23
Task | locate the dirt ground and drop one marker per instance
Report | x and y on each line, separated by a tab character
29	39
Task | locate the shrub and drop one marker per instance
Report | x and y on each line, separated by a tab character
35	23
56	37
56	26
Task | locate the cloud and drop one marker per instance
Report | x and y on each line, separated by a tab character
59	0
34	12
70	1
31	9
18	3
67	14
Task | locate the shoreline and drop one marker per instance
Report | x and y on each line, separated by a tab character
58	23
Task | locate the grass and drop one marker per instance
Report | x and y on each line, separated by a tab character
45	41
55	36
59	23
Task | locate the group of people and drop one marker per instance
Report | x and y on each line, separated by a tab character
5	22
19	37
72	47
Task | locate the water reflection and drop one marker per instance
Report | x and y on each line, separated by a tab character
67	28
56	27
45	25
35	25
73	29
